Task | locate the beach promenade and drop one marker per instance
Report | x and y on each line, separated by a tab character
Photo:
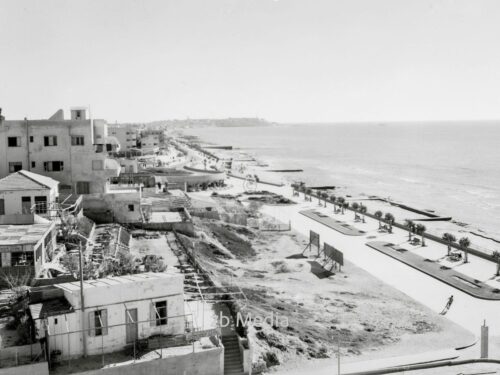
467	311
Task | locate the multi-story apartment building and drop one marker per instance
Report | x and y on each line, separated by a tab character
73	152
151	140
126	136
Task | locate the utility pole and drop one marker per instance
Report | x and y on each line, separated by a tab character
82	301
338	355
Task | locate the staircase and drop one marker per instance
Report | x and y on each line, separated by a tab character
232	357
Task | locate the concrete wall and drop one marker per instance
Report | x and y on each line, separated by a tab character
206	362
128	165
116	202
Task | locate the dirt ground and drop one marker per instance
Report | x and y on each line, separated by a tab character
352	305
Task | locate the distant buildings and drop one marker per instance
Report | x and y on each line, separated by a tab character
73	152
151	140
126	136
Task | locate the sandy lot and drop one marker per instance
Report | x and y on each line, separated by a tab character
368	316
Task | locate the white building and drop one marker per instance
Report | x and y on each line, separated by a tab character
118	311
23	194
73	152
150	141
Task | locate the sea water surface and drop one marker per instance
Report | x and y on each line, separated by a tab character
452	168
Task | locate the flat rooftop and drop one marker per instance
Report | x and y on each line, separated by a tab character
166	217
23	234
117	280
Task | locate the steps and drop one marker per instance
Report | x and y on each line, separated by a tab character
166	202
232	357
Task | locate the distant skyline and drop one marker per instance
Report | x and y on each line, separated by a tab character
282	60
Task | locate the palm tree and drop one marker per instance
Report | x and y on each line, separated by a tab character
324	195
378	215
464	243
309	193
449	238
420	229
345	206
411	227
333	199
319	195
363	210
496	257
355	207
389	218
341	201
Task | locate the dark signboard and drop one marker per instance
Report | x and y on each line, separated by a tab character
334	254
314	239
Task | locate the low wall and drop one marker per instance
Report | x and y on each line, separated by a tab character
23	354
246	354
206	362
39	368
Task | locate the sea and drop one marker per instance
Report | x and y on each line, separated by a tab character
450	168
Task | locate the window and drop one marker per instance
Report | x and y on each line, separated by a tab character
33	164
15	166
50	140
98	323
160	312
41	205
97	165
14	141
109	147
83	187
53	166
31	139
2	206
21	259
77	140
131	207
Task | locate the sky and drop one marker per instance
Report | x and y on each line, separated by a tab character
282	60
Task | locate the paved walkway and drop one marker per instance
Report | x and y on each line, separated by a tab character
330	222
467	311
449	276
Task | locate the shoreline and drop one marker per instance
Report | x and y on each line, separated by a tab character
484	242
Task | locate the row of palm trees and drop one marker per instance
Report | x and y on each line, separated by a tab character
463	242
417	229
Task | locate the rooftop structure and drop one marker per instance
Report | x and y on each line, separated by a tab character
24	248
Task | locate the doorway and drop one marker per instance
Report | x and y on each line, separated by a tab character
132	326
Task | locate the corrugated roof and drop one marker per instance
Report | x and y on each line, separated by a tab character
116	280
44	180
24	180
